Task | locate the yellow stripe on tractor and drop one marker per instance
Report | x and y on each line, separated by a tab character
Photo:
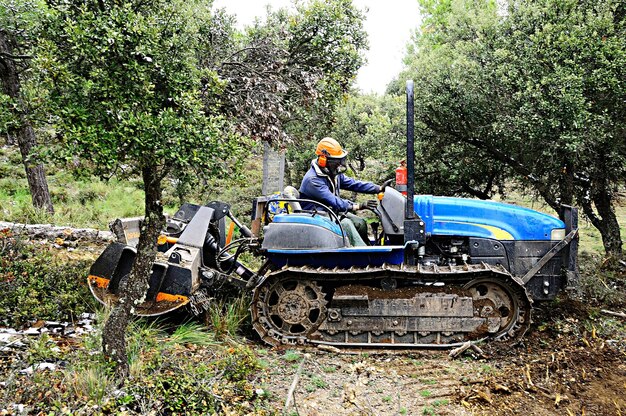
498	233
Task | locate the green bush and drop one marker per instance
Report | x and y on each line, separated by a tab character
178	385
228	317
602	281
35	285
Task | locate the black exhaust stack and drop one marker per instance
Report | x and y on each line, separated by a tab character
413	224
410	149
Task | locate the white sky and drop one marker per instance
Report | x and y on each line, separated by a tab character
389	25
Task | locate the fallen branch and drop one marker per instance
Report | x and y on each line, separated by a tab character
477	350
475	394
328	348
468	345
618	314
49	231
528	379
458	351
294	384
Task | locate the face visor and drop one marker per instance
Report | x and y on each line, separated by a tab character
336	165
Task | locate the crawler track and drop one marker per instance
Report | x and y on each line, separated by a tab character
400	306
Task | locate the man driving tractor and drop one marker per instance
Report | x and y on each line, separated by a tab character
326	178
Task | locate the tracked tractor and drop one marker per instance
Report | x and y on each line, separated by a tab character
437	271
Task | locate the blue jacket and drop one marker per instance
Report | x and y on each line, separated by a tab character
318	186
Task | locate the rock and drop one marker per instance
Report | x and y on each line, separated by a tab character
38	367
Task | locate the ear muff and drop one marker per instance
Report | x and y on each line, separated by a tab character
321	159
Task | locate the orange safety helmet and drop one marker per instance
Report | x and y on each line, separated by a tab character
329	148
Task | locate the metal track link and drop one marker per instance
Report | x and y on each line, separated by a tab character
432	306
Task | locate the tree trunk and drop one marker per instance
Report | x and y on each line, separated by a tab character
23	132
10	140
605	219
114	332
609	227
566	185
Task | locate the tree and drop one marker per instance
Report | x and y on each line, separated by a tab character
127	96
18	31
568	91
289	71
148	88
286	74
531	89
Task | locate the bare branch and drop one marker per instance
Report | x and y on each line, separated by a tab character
14	57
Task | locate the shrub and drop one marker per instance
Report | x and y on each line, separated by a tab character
602	281
179	385
34	285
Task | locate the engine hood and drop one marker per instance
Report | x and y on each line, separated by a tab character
489	219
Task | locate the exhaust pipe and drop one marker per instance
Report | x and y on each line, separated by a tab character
414	232
410	150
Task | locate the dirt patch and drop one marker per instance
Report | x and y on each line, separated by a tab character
565	378
369	384
563	367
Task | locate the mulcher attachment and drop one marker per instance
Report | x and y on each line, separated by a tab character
175	273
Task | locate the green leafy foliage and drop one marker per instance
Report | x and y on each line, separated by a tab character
286	73
528	95
602	283
191	333
35	285
20	22
6	119
292	356
173	372
226	317
80	201
41	349
370	127
129	103
131	99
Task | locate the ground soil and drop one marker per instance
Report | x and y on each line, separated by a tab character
558	369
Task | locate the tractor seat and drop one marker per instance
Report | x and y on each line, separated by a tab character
292	193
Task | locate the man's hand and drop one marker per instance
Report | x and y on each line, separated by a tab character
371	204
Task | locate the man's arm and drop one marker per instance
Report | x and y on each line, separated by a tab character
349	184
317	189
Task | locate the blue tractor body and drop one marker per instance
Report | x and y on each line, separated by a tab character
455	231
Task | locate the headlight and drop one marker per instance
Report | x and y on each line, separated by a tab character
557	234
